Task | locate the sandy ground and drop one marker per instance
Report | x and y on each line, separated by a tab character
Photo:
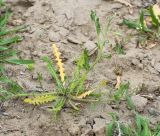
67	23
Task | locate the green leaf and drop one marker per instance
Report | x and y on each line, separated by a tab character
4	94
126	130
15	88
119	93
5	79
8	53
19	61
131	24
3	48
80	88
1	68
142	21
2	3
12	86
4	19
83	61
7	41
95	19
59	104
6	31
143	25
142	126
110	129
130	103
119	49
155	18
157	130
53	71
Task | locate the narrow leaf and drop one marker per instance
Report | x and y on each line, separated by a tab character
155	13
3	48
131	24
19	61
53	71
7	41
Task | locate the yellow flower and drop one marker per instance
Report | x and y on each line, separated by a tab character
57	54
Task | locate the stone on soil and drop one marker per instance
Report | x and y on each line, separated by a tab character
54	37
90	46
74	130
139	102
73	39
99	126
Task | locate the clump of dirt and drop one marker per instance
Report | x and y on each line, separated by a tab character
67	23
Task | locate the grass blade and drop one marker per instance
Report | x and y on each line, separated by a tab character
53	71
110	129
59	105
7	41
7	54
4	19
3	48
14	30
5	79
19	61
155	19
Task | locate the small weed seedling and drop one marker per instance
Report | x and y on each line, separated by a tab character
148	25
7	54
117	128
141	125
141	128
70	91
120	93
119	48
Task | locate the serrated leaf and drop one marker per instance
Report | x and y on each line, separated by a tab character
42	99
85	94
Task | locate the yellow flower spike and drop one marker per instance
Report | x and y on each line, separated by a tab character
57	54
